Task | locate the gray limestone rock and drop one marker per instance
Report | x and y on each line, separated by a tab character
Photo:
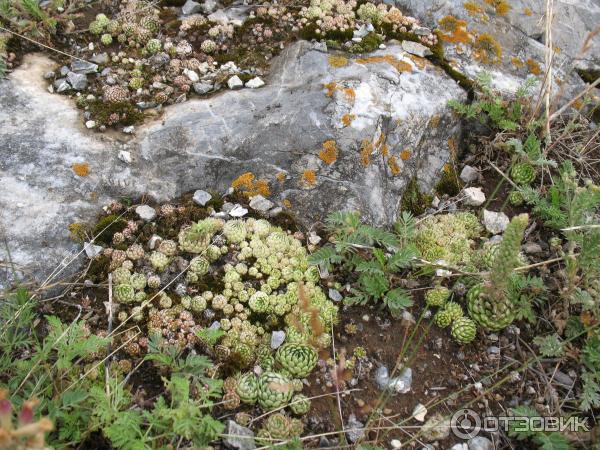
207	143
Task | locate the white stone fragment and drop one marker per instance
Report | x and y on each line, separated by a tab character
255	83
125	156
495	222
474	196
235	83
145	212
92	250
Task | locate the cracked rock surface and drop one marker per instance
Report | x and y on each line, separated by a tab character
386	114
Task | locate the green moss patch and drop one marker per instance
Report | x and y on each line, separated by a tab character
413	200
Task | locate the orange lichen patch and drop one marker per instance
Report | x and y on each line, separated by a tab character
347	119
405	154
77	232
366	149
261	187
517	62
393	165
309	177
385	150
502	7
81	169
454	30
473	9
533	66
281	176
245	180
337	61
578	104
434	122
528	12
250	186
331	87
350	94
421	63
452	147
487	49
329	152
400	66
286	203
557	49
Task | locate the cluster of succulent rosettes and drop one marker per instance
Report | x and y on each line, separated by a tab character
330	16
22	432
448	238
449	313
523	173
446	315
278	427
259	269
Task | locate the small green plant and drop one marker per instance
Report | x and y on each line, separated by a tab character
29	18
489	303
491	109
375	254
520	429
571	209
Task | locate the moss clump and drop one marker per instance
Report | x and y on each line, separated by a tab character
439	59
387	29
309	33
450	183
99	268
107	227
106	112
414	200
369	43
589	76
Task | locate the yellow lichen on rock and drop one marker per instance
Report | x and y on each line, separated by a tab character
247	184
393	165
501	7
366	149
400	66
347	119
81	169
329	152
487	49
533	67
331	87
309	178
350	94
337	61
454	30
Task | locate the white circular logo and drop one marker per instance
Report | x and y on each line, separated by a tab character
465	424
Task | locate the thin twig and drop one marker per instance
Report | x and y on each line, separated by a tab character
42	45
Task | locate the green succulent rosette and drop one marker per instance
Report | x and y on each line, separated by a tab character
274	390
463	330
298	359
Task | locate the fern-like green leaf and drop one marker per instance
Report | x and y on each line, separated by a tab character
552	441
397	300
326	256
